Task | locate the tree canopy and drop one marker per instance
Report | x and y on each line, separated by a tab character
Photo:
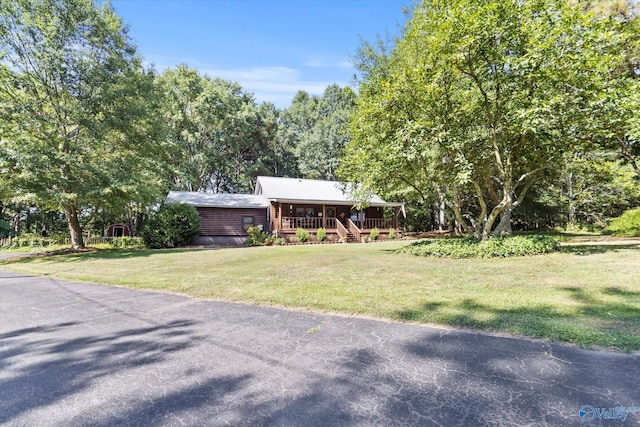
479	100
77	116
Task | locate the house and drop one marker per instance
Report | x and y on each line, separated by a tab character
311	204
282	205
224	217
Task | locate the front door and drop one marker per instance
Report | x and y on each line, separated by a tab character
342	213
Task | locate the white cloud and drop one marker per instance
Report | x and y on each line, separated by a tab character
272	84
275	84
318	63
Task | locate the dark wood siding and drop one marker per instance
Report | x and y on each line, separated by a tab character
374	212
229	221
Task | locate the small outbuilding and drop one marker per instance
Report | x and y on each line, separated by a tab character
118	230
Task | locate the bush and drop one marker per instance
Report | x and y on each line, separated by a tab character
29	240
5	229
126	242
626	225
322	234
507	246
375	233
302	235
173	225
392	233
257	237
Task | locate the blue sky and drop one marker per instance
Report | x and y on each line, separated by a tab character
273	48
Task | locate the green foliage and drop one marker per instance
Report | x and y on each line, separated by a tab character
375	234
302	235
173	225
77	110
595	186
219	140
127	242
392	233
478	101
257	237
507	246
316	129
321	235
5	229
30	241
627	224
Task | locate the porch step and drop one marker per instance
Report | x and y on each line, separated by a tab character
351	238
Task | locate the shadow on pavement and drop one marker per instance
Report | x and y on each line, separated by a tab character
62	369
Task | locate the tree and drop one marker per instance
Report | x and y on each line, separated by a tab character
321	148
315	130
617	122
597	186
216	131
76	109
477	101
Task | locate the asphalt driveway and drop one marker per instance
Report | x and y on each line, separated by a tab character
74	354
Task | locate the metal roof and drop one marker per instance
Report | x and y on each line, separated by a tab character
218	200
290	190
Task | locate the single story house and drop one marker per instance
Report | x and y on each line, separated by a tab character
282	205
224	217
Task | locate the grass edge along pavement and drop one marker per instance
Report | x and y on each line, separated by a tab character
588	295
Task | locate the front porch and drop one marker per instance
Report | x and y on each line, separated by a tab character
339	221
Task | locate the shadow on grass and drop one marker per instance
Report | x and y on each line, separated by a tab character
591	249
67	256
609	318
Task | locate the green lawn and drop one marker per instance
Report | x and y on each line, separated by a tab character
587	295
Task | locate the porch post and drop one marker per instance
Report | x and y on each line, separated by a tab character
395	218
324	216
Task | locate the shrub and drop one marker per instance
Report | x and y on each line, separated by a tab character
5	229
126	242
392	233
29	240
626	225
506	246
171	226
302	235
375	233
256	237
322	234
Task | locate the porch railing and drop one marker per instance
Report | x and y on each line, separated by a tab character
379	223
292	223
341	230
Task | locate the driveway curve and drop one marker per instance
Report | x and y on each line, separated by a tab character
77	354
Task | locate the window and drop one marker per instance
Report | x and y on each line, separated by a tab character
247	221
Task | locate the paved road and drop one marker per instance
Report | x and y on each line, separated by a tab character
76	354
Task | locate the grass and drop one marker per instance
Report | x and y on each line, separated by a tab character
588	295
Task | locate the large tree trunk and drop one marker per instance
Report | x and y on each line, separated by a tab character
74	227
628	155
504	226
